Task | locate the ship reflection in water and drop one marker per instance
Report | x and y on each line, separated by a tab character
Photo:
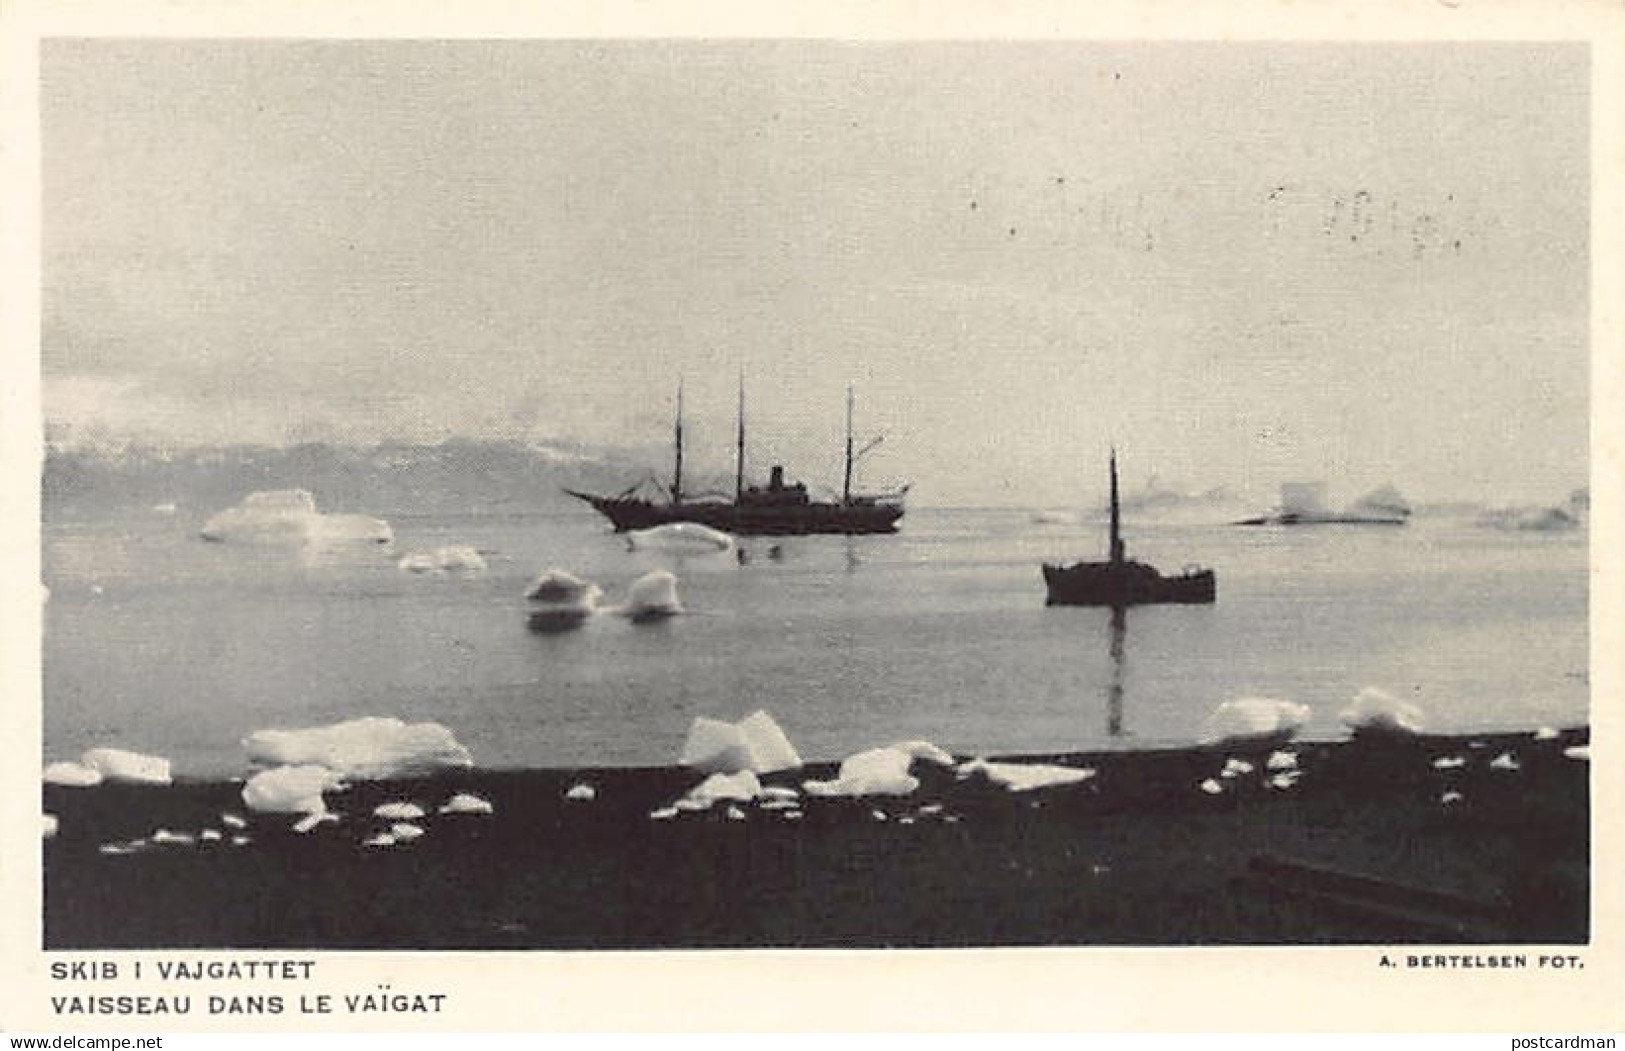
1114	688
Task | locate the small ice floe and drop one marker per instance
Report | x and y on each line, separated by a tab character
232	821
665	813
290	515
581	793
1211	787
115	764
349	529
1375	710
1505	761
742	787
72	775
1246	719
877	772
290	790
367	749
560	601
679	538
735	814
1281	761
930	809
780	804
754	743
1581	752
310	821
240	841
652	596
379	840
397	811
1235	768
1451	798
906	819
130	846
466	803
48	825
405	832
163	509
1284	780
1449	762
417	562
1547	733
167	838
878	815
1023	777
782	793
792	815
210	835
452	558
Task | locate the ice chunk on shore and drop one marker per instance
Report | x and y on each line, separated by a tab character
742	787
289	790
679	538
653	596
1024	777
581	793
877	772
367	749
115	764
72	775
465	803
398	811
560	601
48	825
1377	710
1256	719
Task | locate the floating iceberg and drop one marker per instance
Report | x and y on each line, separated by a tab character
1378	711
680	538
290	516
560	601
72	775
1024	777
398	811
464	803
755	743
877	772
290	790
1279	761
1505	761
1235	768
368	749
581	793
653	596
454	558
1211	787
1255	719
115	764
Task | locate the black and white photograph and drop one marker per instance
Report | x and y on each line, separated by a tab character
702	493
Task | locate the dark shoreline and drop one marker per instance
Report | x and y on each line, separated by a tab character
1363	849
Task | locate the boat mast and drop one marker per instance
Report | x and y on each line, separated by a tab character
1117	530
677	473
739	462
846	484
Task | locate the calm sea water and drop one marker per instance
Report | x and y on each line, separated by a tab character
158	641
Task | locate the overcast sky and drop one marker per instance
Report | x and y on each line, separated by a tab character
1243	263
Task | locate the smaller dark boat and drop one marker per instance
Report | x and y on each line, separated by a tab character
1120	581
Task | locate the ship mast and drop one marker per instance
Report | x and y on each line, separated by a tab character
739	462
846	484
1117	553
677	473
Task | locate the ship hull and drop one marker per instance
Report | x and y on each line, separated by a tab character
1125	584
808	519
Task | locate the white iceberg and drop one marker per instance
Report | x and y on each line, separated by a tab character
48	825
1378	710
653	596
742	787
116	764
755	743
367	749
290	516
290	790
877	772
465	803
398	811
680	538
1211	787
72	775
1024	777
1255	719
560	601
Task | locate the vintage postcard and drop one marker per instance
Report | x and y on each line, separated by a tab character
599	521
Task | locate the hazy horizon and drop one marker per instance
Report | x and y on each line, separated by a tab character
1242	263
